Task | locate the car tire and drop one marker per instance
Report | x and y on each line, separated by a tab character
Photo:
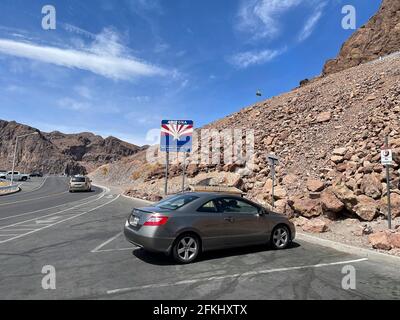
24	179
280	237
186	248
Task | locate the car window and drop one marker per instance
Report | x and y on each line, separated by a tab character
78	179
208	207
233	205
175	202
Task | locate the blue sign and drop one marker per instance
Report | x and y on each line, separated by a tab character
176	135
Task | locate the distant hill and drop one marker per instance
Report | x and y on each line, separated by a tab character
378	38
56	152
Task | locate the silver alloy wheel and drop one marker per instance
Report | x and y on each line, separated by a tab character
280	237
187	248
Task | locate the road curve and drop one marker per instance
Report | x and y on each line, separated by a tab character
53	193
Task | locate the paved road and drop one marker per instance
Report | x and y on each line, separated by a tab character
82	240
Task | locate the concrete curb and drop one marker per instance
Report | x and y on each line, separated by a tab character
370	254
12	192
136	199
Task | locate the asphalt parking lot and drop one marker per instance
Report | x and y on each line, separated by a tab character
80	235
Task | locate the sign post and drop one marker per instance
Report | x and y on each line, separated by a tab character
273	161
386	159
176	136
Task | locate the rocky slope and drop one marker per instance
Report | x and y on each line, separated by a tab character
378	38
56	152
328	136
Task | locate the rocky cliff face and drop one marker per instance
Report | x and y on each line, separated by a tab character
378	38
56	152
328	136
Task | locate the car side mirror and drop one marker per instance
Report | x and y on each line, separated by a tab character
263	211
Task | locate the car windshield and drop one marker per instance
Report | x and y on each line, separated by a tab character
175	202
78	179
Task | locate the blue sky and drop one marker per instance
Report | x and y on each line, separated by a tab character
120	67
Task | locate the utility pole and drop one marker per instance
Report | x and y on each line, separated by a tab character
166	173
273	160
388	186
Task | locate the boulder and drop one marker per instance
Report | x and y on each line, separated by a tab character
315	226
371	185
324	117
329	201
345	195
307	207
395	205
367	208
314	185
282	206
385	240
380	240
339	151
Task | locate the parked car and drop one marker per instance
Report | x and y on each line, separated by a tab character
36	174
80	183
18	176
190	223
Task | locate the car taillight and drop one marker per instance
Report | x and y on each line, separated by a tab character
156	220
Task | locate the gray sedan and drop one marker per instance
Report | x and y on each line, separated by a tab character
187	224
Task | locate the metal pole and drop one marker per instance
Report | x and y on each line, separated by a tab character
273	183
13	165
166	172
388	187
183	172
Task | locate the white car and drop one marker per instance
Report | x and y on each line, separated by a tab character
18	176
80	183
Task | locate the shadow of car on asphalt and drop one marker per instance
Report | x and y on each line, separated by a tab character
162	259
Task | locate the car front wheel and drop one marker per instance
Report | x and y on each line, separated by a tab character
280	238
186	248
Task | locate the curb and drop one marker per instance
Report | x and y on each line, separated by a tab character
136	199
12	192
370	254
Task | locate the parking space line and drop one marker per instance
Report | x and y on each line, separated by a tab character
58	222
26	200
106	242
237	275
112	250
22	223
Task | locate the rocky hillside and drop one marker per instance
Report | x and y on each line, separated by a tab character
378	38
328	136
57	152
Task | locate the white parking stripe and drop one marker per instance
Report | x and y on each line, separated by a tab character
106	242
237	275
26	200
58	222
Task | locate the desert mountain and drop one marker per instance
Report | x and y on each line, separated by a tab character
57	152
378	38
328	136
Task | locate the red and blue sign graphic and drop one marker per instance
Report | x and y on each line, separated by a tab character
176	135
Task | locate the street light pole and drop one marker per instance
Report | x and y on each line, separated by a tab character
15	153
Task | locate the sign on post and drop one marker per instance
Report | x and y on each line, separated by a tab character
176	135
386	157
273	160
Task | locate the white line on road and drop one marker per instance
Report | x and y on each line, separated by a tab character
106	242
26	200
21	223
58	222
237	275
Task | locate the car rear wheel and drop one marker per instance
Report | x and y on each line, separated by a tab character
280	238
186	248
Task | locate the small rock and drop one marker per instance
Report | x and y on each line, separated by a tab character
314	185
315	226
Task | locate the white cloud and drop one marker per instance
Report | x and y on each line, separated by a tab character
261	17
249	58
106	56
311	22
83	91
71	104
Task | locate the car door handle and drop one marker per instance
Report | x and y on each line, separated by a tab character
230	219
